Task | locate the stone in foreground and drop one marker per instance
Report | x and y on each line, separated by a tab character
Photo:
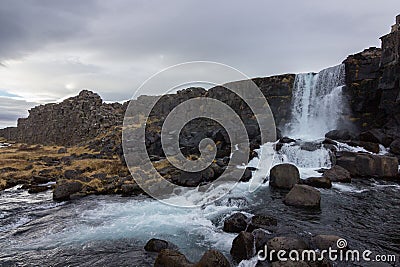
243	247
213	258
168	258
235	223
303	196
318	182
284	176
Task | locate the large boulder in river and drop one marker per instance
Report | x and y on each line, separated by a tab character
286	244
319	182
376	136
243	247
367	165
65	188
262	222
235	223
340	135
156	245
395	147
337	174
303	196
168	258
213	258
284	176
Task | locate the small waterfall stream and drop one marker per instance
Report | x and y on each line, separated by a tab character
318	103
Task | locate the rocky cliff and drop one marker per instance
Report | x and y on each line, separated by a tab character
372	83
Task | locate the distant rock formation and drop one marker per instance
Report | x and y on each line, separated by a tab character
72	121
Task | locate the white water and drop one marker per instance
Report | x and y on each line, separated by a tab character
318	103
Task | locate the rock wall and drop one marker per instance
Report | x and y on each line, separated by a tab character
72	121
372	83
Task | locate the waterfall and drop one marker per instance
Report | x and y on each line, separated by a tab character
317	103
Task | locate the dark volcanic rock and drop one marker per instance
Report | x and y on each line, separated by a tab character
65	188
213	258
376	136
284	176
340	135
395	147
262	222
337	174
37	189
235	223
367	165
168	257
243	246
285	243
324	242
156	245
319	182
303	196
261	238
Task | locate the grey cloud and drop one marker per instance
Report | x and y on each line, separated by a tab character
11	109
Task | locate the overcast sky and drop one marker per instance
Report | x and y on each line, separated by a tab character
50	50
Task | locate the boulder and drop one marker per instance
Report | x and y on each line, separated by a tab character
337	174
37	189
156	245
235	223
261	238
319	182
376	136
65	188
262	222
324	242
243	247
340	135
168	258
247	175
372	147
284	243
303	196
284	176
213	258
367	165
395	147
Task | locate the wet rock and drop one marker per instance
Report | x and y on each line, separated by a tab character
376	136
243	247
41	179
235	223
337	174
262	222
190	179
367	165
213	258
372	147
156	245
261	238
303	196
395	147
37	189
340	135
310	146
65	188
247	175
168	258
282	141
319	182
285	243
284	176
130	189
324	242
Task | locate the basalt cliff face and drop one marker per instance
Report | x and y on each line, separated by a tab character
372	84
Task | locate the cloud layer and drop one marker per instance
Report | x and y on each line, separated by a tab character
53	49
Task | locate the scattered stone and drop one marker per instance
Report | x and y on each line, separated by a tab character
213	258
62	150
285	243
156	245
65	188
262	222
243	246
319	182
168	258
235	223
303	196
72	174
284	176
337	174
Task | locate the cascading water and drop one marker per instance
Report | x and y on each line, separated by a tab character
317	103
